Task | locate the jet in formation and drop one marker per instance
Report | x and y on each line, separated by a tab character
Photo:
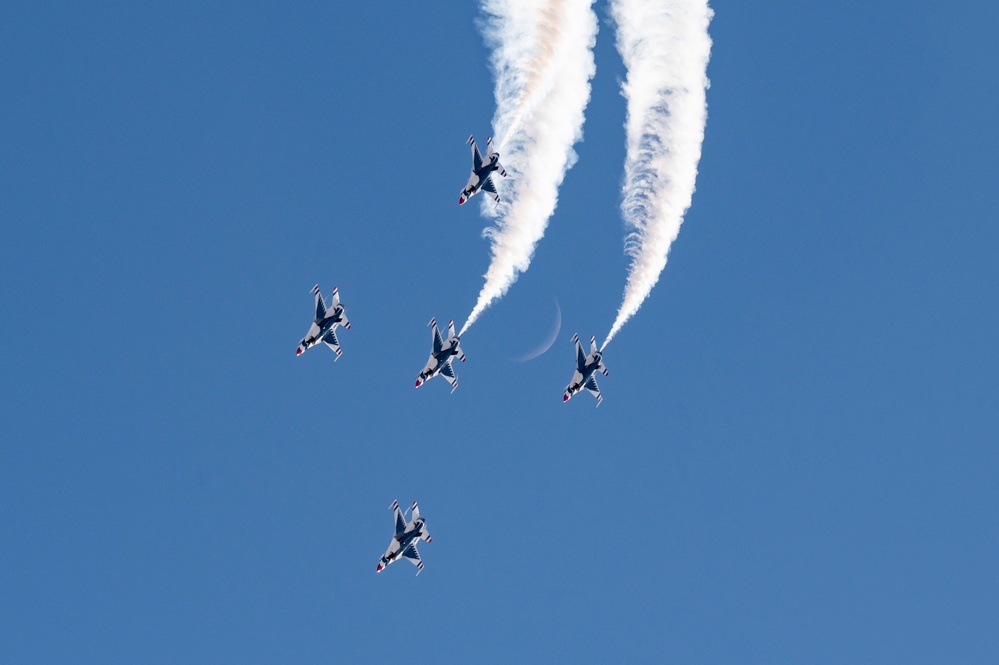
482	172
586	367
323	329
407	535
441	355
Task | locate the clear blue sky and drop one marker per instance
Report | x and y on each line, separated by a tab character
795	460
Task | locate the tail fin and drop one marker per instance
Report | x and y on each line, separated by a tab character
593	344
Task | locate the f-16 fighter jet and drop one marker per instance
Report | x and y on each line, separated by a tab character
407	534
481	178
323	329
586	367
441	355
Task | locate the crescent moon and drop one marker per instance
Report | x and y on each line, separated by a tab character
547	342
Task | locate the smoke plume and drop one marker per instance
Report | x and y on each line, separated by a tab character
542	61
665	47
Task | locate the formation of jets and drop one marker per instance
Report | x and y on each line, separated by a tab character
442	353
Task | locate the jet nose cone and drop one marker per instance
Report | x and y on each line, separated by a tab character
379	568
461	200
565	398
298	351
419	383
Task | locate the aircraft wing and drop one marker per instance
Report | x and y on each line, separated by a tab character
489	186
591	385
330	340
437	341
580	356
476	156
320	305
400	520
414	557
448	373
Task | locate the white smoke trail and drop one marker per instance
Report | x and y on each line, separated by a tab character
533	80
543	61
665	47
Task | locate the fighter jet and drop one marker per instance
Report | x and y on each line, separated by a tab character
323	329
586	367
441	355
407	535
481	178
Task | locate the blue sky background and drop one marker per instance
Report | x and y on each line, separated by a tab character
795	460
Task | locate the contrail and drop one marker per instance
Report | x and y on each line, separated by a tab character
665	47
542	61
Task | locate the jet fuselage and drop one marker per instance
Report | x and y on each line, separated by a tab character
580	376
400	542
320	328
437	360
